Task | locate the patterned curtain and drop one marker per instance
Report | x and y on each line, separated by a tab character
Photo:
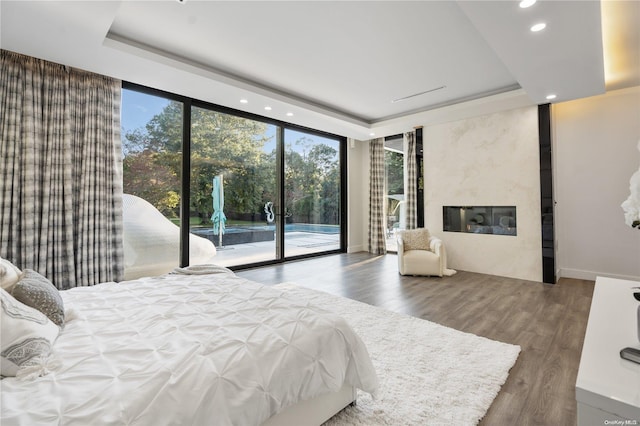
60	171
411	184
377	236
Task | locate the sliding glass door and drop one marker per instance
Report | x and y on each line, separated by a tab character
394	184
311	193
234	186
259	189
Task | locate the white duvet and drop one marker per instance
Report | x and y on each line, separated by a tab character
187	350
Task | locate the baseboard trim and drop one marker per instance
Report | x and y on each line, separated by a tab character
591	275
355	249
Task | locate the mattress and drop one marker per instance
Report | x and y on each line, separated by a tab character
187	349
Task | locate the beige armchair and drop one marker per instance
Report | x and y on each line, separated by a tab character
421	254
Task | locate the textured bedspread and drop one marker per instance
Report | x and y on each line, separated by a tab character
187	350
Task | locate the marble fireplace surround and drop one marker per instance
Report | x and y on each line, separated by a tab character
490	160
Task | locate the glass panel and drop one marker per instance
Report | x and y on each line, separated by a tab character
242	153
311	193
394	174
152	157
499	220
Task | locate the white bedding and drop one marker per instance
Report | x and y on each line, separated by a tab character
187	350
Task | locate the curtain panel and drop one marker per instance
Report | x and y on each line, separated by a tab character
60	171
377	235
411	181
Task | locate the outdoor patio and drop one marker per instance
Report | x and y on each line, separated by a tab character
297	243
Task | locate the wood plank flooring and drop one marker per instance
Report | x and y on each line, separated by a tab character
547	321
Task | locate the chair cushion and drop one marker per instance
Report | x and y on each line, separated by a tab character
416	239
420	262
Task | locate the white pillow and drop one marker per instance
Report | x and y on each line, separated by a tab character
9	274
27	337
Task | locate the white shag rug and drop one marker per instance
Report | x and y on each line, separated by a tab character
429	374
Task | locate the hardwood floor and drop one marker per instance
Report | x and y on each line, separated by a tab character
547	321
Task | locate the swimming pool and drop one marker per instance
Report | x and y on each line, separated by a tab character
253	234
312	227
238	235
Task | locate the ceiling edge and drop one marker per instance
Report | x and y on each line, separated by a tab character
129	46
461	100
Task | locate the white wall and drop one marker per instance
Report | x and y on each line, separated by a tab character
493	160
487	160
357	195
595	153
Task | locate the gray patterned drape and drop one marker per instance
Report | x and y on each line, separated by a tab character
60	171
377	242
411	184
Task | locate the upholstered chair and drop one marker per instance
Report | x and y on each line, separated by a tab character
420	253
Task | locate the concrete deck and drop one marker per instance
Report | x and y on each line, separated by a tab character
296	243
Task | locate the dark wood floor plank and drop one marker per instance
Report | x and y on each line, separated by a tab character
547	321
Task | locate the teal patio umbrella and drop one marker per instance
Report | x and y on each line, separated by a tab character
218	218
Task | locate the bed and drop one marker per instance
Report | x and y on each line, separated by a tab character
200	346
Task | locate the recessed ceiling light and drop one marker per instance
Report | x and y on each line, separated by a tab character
527	3
244	101
289	114
538	27
372	134
267	108
551	96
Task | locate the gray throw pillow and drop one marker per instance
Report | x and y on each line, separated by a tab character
38	292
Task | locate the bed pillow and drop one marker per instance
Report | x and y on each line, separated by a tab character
38	292
27	337
9	274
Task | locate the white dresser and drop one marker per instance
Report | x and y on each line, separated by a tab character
608	387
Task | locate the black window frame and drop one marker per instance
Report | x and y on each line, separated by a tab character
185	196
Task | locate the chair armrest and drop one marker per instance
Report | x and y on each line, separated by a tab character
435	244
400	244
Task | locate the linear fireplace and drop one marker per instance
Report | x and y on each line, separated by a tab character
497	220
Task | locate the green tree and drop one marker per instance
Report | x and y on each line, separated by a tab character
394	168
312	183
234	147
152	180
231	146
220	144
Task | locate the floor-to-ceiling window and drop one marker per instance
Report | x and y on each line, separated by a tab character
280	188
311	193
241	154
152	158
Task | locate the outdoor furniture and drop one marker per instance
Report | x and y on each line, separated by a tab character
151	242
